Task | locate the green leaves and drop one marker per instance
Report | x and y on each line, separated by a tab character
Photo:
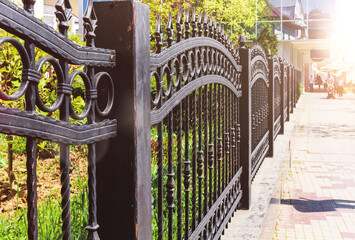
238	16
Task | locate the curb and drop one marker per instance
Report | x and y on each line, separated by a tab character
259	221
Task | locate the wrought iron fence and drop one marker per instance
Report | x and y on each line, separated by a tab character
286	77
195	96
277	95
30	33
259	83
191	122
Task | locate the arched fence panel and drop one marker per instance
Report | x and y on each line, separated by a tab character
259	83
277	95
195	91
175	134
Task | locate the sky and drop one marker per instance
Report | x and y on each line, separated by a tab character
327	6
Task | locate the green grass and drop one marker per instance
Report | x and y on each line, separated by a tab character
49	219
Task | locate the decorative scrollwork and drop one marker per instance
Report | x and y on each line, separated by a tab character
192	56
260	111
259	64
25	72
259	153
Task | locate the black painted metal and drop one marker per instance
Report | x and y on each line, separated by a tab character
287	92
214	109
260	110
245	128
123	163
277	95
282	96
195	72
271	104
31	124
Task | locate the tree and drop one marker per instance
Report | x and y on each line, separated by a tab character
237	16
268	40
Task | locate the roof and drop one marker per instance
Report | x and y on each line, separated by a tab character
285	3
276	13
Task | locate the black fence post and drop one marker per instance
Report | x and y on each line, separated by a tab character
245	127
124	203
292	79
271	107
295	86
282	101
288	91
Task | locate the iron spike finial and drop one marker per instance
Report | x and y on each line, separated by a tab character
199	24
179	26
90	23
219	30
63	13
193	17
210	27
215	30
187	15
170	30
241	40
158	35
187	23
205	25
28	5
193	22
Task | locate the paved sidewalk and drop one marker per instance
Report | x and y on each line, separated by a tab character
318	199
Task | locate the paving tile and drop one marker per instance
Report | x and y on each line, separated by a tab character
320	189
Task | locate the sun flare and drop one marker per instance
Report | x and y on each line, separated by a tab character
344	32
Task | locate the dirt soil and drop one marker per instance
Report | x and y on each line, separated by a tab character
48	175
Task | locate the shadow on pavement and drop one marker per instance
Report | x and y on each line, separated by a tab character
308	205
329	130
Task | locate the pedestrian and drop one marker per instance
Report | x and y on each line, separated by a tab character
331	81
340	87
311	82
336	84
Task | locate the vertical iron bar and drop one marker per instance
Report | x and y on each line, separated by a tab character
64	162
179	181
215	140
223	138
170	185
31	165
194	155
93	225
31	145
200	159
64	116
205	112
219	144
160	178
230	109
210	147
187	169
238	135
233	123
227	136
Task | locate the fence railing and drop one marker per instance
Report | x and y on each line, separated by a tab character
29	123
190	123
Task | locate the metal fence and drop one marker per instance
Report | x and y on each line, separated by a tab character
61	52
187	125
